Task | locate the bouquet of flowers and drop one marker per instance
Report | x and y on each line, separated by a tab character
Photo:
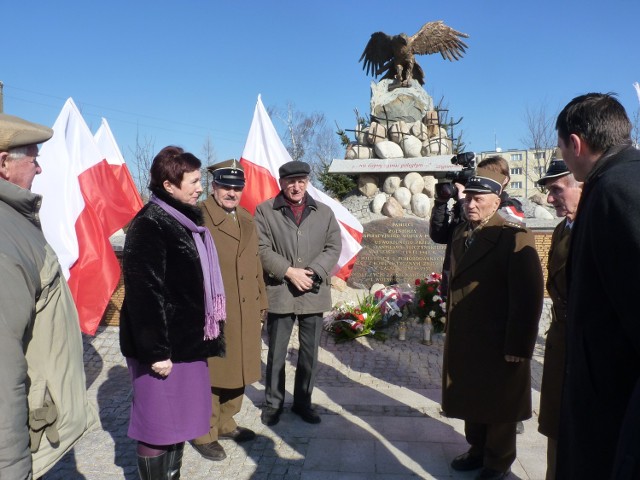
351	320
428	301
393	300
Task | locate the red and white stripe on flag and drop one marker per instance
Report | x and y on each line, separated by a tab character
83	204
111	153
263	155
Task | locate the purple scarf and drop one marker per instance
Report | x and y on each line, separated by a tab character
214	299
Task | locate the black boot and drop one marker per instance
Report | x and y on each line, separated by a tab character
175	461
153	468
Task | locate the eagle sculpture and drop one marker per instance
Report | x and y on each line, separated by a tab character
395	56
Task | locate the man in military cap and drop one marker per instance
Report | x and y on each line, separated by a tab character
563	192
236	240
299	246
43	402
494	304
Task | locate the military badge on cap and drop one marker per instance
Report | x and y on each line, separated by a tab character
485	181
228	173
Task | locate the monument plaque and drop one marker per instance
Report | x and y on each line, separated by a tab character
397	248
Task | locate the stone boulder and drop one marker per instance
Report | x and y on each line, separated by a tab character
376	133
392	209
538	198
403	196
411	147
542	213
377	202
398	131
414	182
391	183
368	185
419	130
420	205
409	104
358	152
429	185
388	149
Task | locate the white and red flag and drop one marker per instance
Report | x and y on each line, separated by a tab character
263	155
111	153
83	204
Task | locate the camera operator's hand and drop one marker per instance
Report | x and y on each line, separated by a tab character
460	189
300	278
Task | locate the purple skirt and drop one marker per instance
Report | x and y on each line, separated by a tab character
173	409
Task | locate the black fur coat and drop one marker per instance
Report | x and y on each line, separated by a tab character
162	314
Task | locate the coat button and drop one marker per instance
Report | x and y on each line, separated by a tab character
299	260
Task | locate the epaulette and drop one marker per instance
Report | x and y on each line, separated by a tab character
515	225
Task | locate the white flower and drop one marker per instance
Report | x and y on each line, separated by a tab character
432	314
443	319
437	298
443	307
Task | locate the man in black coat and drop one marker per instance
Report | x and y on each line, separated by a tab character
603	323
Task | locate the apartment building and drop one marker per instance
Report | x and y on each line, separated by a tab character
525	168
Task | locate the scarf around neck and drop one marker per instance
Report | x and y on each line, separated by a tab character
214	298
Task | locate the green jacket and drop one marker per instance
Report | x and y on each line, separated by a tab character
41	362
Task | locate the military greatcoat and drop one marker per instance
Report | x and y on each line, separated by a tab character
237	246
554	352
494	305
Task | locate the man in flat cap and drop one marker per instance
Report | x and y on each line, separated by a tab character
494	305
43	403
299	246
236	239
563	192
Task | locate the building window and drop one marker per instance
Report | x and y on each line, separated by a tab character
516	171
516	157
540	170
516	185
539	155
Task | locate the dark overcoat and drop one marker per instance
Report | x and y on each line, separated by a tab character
554	350
237	245
603	317
494	304
162	314
315	244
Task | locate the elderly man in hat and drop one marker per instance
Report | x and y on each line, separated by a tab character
299	246
563	192
43	402
494	305
236	239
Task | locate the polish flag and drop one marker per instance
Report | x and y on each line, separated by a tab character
263	155
83	204
111	153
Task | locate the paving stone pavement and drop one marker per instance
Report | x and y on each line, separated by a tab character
379	404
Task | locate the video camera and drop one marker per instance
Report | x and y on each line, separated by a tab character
447	189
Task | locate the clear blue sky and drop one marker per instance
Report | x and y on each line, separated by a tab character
177	72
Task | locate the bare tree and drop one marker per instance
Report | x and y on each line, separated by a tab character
541	139
635	129
307	137
210	158
143	155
